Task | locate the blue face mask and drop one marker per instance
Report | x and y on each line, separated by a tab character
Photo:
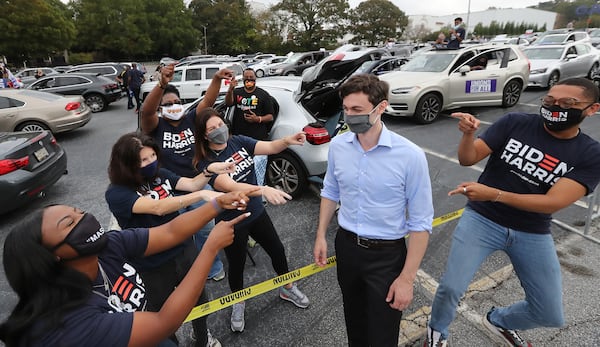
149	171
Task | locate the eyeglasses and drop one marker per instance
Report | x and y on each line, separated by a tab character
168	104
249	80
565	103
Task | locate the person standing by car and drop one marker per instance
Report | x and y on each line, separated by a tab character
123	79
213	143
173	131
536	165
382	182
135	78
253	115
457	34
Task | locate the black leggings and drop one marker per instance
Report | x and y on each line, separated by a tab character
162	280
264	233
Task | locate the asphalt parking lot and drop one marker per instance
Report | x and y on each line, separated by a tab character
271	321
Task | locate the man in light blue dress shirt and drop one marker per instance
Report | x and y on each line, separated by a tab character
381	181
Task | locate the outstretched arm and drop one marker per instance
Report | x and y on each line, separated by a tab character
149	328
213	89
277	146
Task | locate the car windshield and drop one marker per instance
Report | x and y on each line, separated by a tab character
544	53
294	58
558	38
429	62
594	33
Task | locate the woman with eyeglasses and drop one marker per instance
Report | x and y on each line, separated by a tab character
172	127
141	195
213	143
77	285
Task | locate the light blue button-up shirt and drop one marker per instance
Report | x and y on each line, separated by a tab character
384	192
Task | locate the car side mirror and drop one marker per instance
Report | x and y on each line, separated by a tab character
571	56
464	69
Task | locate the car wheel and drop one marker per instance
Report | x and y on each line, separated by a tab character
286	173
32	126
259	73
428	108
553	79
593	71
96	102
511	93
290	73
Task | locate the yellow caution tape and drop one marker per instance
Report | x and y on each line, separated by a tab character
447	217
257	289
292	276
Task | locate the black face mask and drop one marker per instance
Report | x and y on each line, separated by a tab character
86	238
558	119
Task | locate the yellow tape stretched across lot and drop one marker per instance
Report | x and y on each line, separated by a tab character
292	276
257	289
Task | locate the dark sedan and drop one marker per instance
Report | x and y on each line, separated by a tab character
30	161
98	91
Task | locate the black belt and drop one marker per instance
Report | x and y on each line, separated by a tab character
371	243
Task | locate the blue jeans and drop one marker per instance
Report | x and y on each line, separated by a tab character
534	260
260	168
201	236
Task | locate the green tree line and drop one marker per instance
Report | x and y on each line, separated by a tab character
101	30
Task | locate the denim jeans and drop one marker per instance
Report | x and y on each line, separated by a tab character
201	236
260	168
534	260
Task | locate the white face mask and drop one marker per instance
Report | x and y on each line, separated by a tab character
173	112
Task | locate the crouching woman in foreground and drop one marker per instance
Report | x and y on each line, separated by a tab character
76	285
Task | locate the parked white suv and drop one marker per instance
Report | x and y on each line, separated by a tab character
193	80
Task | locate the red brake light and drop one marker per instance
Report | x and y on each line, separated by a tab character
72	106
111	86
316	134
10	165
338	56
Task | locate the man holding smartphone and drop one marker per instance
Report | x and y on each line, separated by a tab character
253	115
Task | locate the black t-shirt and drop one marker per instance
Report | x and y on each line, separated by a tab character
526	159
259	101
239	150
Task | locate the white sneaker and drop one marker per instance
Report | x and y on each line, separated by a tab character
294	295
237	317
212	341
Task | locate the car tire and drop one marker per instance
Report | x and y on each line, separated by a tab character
511	93
260	73
553	79
290	73
31	126
286	173
96	102
428	108
593	71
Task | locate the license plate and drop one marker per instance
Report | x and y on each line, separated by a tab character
41	154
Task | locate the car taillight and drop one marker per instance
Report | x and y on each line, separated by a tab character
316	134
111	86
72	106
10	165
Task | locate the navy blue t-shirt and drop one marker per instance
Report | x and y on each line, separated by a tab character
240	151
177	144
526	159
135	78
106	319
121	199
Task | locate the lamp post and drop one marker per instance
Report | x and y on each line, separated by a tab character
205	45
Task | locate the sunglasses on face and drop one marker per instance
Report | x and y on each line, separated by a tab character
565	103
249	80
